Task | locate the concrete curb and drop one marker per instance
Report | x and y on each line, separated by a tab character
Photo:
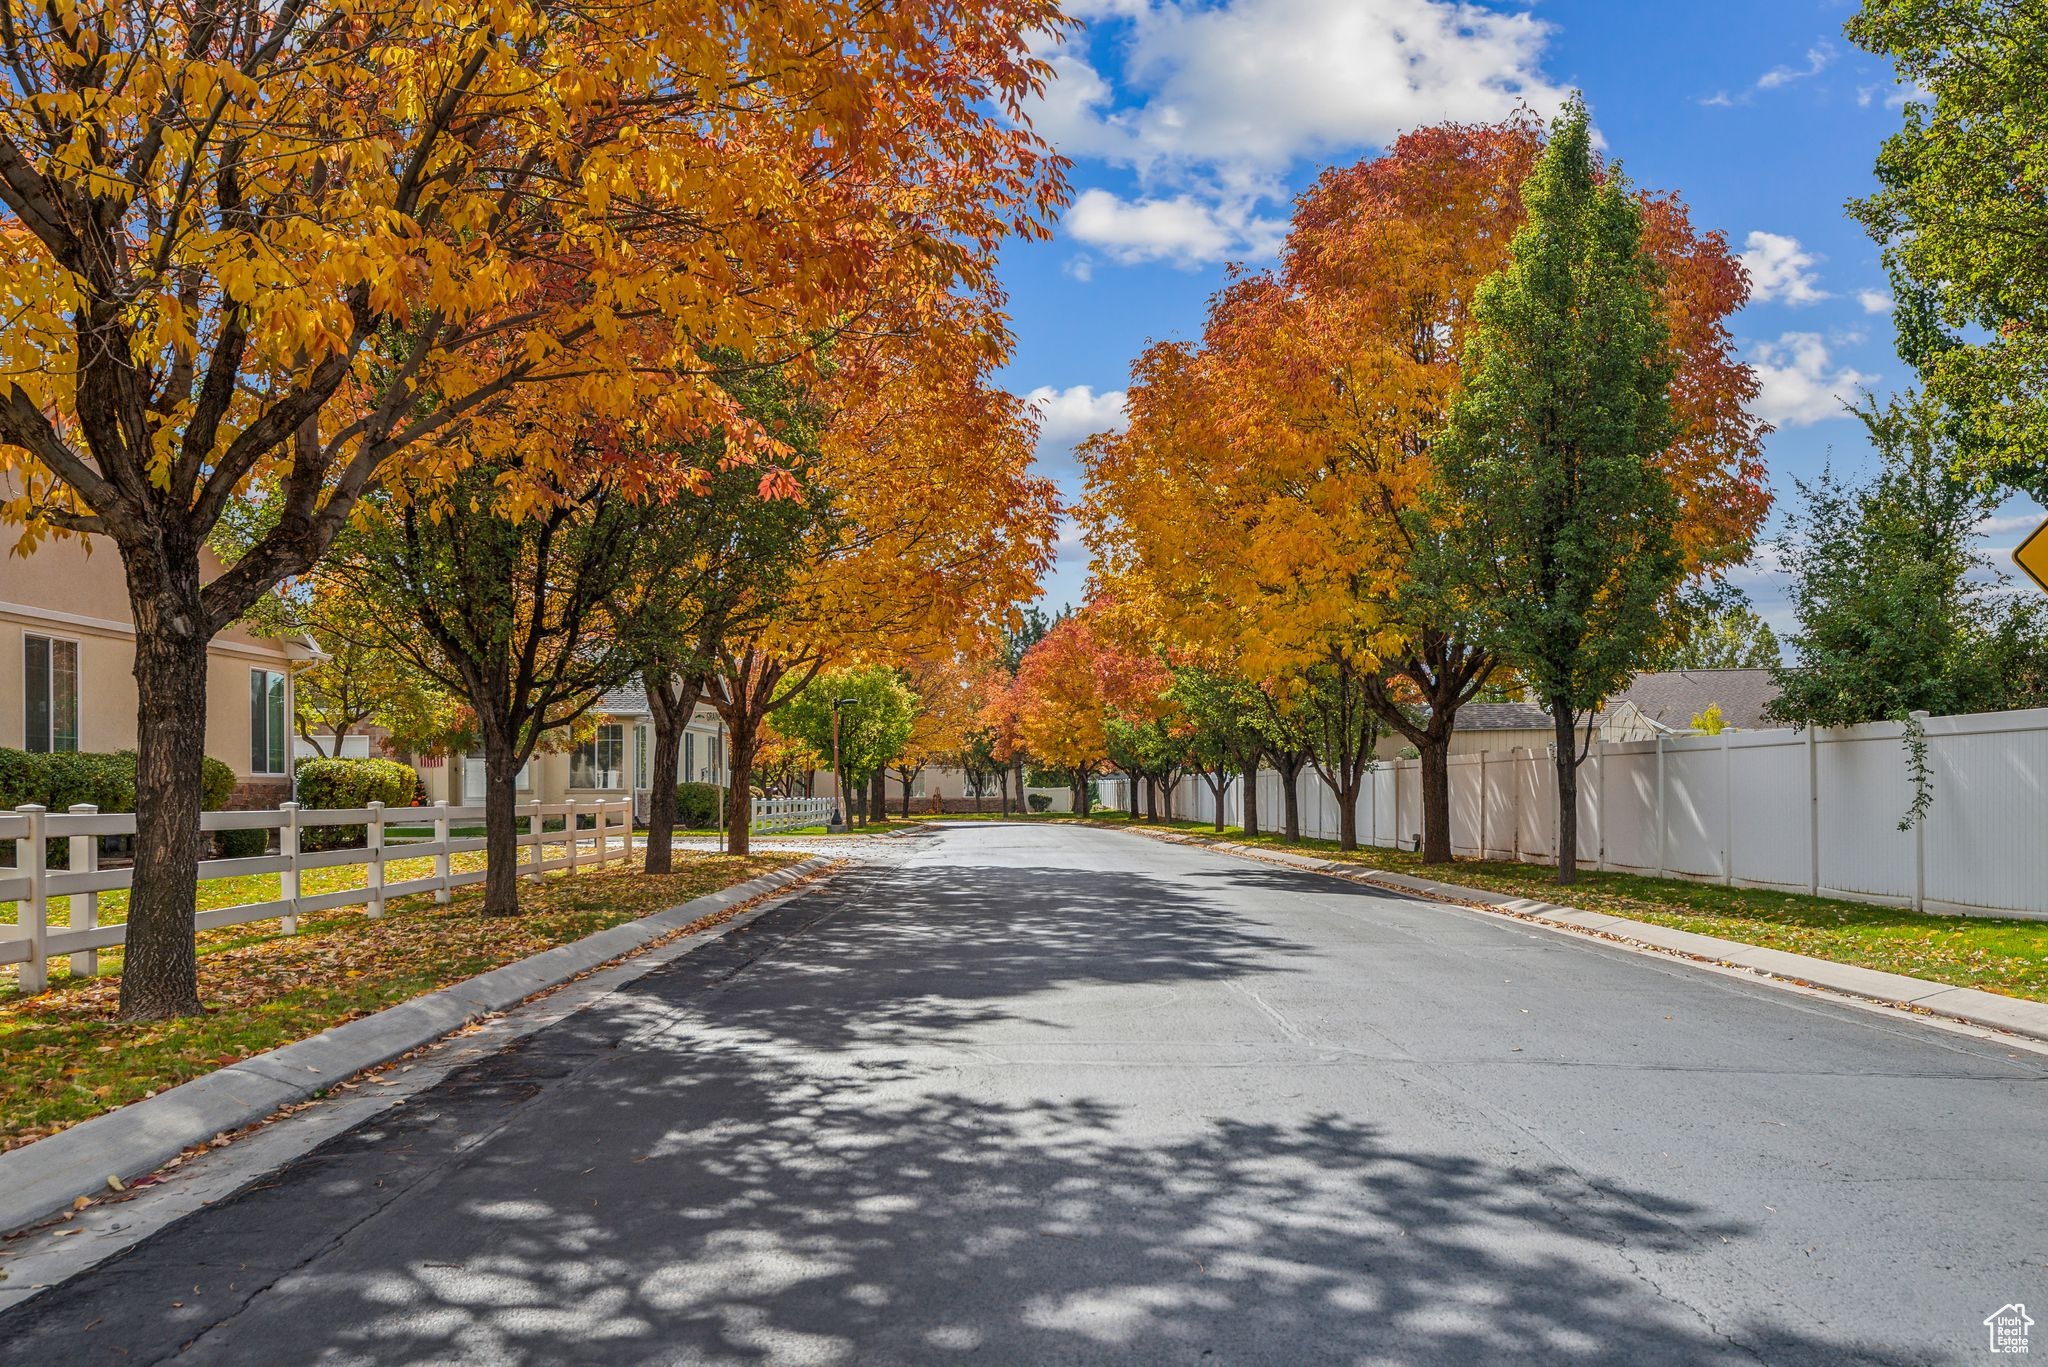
2013	1015
41	1178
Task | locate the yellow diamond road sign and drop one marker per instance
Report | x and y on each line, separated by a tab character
2032	555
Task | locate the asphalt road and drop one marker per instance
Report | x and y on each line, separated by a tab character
1056	1095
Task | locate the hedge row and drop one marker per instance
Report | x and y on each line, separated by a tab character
61	781
68	779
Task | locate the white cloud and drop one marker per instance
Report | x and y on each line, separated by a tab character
1253	84
1718	100
1183	230
1218	100
1874	301
1818	58
1081	268
1067	416
2005	524
1802	384
1781	271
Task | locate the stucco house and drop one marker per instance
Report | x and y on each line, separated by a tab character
616	762
67	667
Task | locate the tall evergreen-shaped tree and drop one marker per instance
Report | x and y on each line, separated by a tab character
1558	520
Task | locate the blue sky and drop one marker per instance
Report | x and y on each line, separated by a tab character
1192	125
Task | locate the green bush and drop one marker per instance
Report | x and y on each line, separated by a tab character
68	779
1040	802
332	783
698	804
241	844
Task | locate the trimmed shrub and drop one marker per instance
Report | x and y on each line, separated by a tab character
241	844
67	779
333	783
698	804
1040	802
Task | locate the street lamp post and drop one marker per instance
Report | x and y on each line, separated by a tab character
837	826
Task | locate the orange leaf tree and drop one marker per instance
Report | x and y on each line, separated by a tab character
287	247
1069	689
1267	496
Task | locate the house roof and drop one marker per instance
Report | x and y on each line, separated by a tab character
1672	698
627	700
1502	716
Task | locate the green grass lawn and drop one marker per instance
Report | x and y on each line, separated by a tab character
2005	955
63	1057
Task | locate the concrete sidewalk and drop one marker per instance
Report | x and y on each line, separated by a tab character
2013	1015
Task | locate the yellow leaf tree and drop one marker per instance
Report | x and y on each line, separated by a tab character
286	247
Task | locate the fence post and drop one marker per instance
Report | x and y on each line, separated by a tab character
569	829
534	832
1600	805
442	867
1920	844
85	906
1662	857
288	880
375	875
31	858
1727	811
1482	805
1813	810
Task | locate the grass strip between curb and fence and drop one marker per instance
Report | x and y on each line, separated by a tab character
64	1058
2008	956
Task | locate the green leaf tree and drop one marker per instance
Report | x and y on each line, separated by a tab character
873	727
1343	726
1223	713
1560	520
1715	626
1963	222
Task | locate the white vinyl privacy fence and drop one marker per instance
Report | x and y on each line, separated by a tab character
1813	811
32	885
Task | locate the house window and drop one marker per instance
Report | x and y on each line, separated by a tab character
267	731
598	763
50	686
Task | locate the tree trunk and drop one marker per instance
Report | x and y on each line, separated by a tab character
1151	799
1217	786
160	969
1562	722
1003	783
739	802
671	716
1081	794
1436	799
878	798
661	797
1347	811
1251	798
1023	803
906	794
501	831
1290	795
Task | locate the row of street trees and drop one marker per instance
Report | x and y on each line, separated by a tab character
299	269
1476	430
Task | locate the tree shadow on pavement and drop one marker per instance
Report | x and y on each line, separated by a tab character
753	1157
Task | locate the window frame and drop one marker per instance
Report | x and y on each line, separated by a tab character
266	744
49	738
591	755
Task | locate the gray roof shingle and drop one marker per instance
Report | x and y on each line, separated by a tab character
1502	716
1674	697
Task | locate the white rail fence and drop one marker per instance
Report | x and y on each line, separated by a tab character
788	813
31	884
1813	811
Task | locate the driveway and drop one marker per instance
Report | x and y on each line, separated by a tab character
1049	1094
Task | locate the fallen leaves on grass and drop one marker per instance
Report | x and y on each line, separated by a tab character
63	1058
